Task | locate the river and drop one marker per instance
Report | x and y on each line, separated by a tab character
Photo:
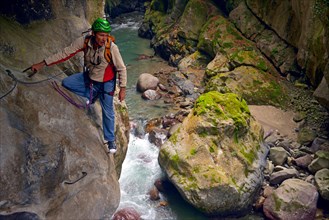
140	168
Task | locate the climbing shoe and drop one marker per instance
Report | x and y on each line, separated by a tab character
111	146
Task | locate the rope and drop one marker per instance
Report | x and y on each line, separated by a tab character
67	97
16	80
7	93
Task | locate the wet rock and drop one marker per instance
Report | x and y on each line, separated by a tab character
293	199
278	155
158	136
127	213
151	95
322	183
147	81
321	161
163	185
280	176
168	122
144	157
137	128
163	203
152	123
304	161
154	194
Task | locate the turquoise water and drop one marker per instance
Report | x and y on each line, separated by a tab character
131	47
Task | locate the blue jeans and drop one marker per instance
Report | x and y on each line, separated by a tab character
76	84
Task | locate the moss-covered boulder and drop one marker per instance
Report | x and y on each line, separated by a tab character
254	85
215	158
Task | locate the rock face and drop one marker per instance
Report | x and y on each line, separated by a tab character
293	25
295	199
46	143
292	35
215	158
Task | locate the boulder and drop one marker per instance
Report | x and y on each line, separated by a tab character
215	157
294	200
322	182
154	194
280	176
278	155
147	81
304	161
321	161
306	136
151	94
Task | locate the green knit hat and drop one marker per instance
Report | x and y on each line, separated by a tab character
101	25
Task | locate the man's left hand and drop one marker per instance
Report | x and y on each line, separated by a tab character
122	93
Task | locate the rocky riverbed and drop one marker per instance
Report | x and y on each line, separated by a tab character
297	169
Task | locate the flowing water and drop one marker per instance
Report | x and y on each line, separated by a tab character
140	168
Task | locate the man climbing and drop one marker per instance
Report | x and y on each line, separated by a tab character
102	60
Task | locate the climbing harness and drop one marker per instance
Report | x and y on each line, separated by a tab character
81	177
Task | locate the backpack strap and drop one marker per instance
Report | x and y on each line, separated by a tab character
107	52
85	44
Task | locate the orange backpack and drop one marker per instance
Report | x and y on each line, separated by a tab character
107	51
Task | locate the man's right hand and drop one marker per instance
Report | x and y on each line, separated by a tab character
36	67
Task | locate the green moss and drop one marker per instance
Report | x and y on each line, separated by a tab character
196	169
274	52
262	65
257	82
223	106
231	29
266	93
227	44
235	135
277	202
193	151
212	149
174	137
175	161
248	156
